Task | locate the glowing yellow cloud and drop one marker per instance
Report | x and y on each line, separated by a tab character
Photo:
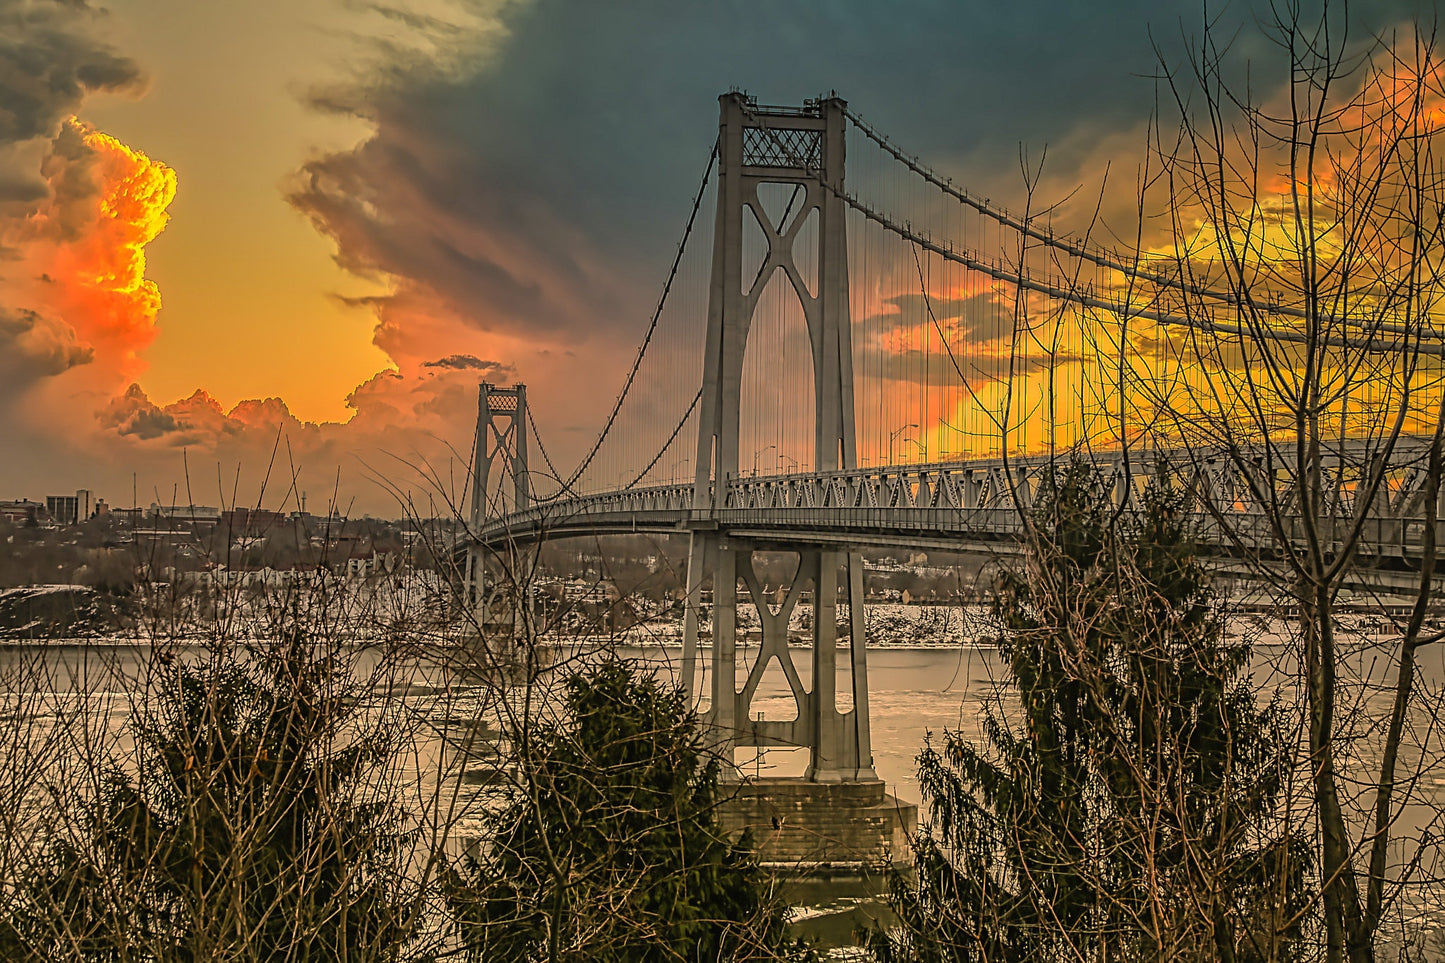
100	270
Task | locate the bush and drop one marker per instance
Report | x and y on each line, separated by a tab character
608	848
248	825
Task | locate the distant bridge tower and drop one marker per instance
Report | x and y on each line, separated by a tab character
501	439
803	148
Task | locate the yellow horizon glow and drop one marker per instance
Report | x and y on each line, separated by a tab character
248	286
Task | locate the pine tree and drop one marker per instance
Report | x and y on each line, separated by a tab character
610	849
244	828
1129	808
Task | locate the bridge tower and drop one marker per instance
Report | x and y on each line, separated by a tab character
801	148
501	439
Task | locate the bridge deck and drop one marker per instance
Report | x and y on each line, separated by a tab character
930	506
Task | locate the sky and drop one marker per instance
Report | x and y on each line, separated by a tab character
246	243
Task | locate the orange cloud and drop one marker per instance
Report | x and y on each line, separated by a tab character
81	263
77	314
100	274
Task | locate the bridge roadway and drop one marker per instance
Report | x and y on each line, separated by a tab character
959	506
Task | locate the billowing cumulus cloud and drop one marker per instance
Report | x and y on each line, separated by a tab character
74	292
76	207
76	308
84	245
402	427
133	414
33	347
193	420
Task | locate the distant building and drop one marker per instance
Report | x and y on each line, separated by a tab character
193	514
69	509
586	590
338	549
21	511
62	508
380	563
251	520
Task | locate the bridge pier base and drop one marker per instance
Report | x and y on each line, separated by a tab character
816	827
839	741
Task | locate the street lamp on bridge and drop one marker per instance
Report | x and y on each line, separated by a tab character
894	437
755	457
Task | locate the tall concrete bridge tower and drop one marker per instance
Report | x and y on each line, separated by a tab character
802	148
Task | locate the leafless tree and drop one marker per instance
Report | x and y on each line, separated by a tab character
1304	377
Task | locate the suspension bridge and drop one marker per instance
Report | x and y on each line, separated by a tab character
889	359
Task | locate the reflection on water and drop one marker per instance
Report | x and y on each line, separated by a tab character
912	692
917	691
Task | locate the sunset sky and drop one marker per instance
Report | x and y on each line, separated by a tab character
325	220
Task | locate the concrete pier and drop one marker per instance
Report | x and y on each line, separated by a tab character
816	827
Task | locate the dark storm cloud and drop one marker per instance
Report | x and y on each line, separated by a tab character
467	362
33	347
976	318
537	188
50	60
136	415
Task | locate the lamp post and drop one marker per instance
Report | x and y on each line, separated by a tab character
755	457
782	458
894	437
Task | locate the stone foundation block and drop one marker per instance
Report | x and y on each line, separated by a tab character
820	826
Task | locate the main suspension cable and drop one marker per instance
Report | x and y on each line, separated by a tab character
666	444
1080	249
1118	307
652	327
